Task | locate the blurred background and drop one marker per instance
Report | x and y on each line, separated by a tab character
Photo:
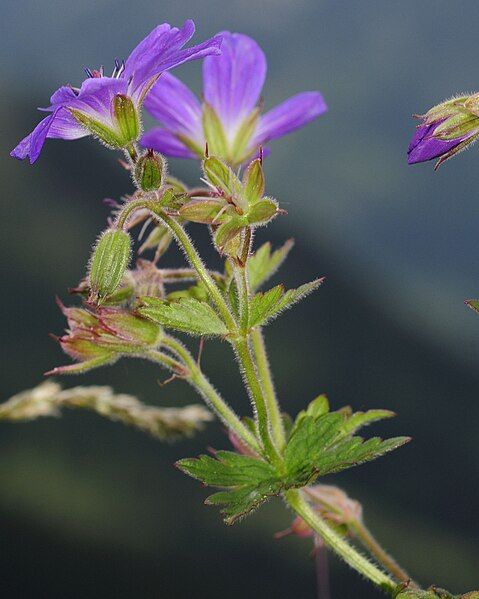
91	509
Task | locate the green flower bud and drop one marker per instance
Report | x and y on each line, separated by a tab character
149	171
108	263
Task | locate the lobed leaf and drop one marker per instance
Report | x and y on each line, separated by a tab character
249	481
187	314
267	305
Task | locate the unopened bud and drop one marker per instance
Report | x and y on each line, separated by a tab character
149	171
108	263
127	118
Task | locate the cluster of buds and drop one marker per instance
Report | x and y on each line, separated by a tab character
231	206
446	129
101	336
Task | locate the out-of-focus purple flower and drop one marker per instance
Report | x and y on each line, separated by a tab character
229	120
107	107
446	129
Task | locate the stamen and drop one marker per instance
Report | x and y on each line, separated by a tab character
89	72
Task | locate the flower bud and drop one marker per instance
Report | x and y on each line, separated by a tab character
446	129
127	119
108	263
149	171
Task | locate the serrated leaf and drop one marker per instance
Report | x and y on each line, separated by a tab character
187	314
250	481
267	305
320	446
359	419
263	263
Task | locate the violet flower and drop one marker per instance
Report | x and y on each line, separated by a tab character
107	107
229	120
446	129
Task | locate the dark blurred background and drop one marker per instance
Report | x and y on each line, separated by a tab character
91	509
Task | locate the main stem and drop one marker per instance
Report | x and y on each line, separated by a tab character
264	370
243	353
337	543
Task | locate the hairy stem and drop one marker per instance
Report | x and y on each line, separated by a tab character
264	371
375	549
337	543
197	263
243	353
241	278
200	382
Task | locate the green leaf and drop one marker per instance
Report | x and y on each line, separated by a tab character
267	305
359	419
320	445
249	481
187	314
263	264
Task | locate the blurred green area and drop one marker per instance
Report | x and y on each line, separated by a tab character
91	509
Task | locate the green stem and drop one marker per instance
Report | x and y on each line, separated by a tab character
200	382
128	209
243	353
264	370
242	285
197	263
337	543
375	549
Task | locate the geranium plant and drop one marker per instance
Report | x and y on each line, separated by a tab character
129	309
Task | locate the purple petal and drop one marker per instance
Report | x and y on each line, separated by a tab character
172	103
289	116
162	50
167	143
59	124
232	82
424	146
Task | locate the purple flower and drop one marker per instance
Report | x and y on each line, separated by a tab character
446	129
107	107
229	119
